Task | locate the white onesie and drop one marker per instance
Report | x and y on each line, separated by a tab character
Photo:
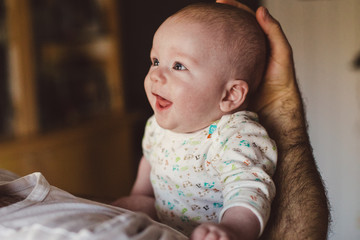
197	176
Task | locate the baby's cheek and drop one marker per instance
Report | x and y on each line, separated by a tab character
147	87
147	83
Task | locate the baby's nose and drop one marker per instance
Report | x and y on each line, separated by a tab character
158	75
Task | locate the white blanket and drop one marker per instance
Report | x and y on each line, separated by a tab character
30	208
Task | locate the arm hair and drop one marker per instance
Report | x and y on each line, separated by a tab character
300	209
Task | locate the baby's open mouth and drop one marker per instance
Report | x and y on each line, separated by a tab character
162	103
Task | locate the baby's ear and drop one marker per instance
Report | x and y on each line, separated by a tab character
234	95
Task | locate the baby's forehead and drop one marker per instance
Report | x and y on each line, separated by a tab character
213	30
184	25
186	33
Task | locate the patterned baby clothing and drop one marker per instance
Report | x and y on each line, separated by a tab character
197	176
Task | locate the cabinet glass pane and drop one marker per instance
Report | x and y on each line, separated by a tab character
71	83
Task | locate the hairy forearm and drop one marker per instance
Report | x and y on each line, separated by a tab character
300	208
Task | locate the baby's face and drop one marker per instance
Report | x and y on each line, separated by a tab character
187	77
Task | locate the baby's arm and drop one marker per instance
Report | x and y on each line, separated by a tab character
237	223
141	198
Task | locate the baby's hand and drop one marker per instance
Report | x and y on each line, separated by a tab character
212	231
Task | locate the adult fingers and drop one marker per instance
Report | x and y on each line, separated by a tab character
236	4
280	48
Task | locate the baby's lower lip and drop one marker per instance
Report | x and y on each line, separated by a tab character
162	103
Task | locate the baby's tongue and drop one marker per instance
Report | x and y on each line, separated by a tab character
163	102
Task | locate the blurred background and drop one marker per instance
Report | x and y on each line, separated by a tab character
72	104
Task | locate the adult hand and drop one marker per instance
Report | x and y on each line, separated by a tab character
279	83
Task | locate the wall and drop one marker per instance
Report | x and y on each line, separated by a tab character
325	36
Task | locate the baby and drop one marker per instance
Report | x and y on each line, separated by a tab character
208	160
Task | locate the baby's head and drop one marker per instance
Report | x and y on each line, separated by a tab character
237	35
205	59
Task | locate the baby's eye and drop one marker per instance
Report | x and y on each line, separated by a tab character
155	62
179	66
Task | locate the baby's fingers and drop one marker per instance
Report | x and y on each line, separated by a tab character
209	232
199	233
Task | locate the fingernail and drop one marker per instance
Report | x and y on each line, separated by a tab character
266	13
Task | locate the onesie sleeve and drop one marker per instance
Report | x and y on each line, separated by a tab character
245	158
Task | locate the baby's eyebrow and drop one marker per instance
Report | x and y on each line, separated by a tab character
187	56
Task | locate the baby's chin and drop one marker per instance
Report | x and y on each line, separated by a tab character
181	128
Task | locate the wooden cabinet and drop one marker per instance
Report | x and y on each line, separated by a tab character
62	84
